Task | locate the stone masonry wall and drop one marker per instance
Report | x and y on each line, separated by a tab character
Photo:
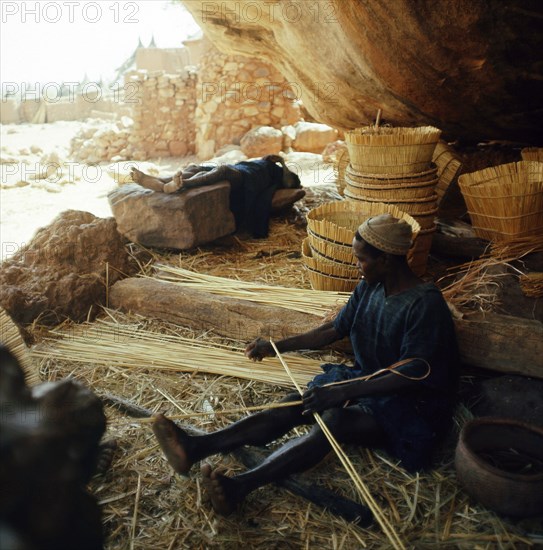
163	111
236	94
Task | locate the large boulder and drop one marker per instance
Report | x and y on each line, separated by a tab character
62	272
312	137
472	68
179	220
261	141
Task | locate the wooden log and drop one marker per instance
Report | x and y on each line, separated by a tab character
502	343
458	247
230	317
496	342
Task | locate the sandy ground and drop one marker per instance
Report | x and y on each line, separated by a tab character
26	203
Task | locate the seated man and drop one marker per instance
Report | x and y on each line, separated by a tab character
254	187
392	316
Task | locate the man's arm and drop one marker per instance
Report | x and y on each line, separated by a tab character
333	395
313	339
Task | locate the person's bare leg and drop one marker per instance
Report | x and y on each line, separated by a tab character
350	425
215	175
183	450
147	181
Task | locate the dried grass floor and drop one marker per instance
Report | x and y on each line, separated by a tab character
146	506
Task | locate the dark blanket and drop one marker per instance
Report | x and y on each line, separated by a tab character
251	201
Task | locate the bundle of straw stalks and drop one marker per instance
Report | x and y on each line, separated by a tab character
305	301
130	346
532	284
505	201
12	339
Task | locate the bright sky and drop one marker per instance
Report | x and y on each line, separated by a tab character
55	41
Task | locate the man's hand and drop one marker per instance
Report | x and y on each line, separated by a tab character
258	349
321	398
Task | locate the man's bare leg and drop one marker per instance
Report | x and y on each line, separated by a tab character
183	450
350	425
147	181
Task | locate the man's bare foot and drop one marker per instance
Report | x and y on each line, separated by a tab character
149	182
221	491
175	184
106	450
174	442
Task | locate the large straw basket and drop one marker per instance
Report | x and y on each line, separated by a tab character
448	167
337	221
426	220
532	153
326	266
393	180
418	255
505	201
378	192
383	150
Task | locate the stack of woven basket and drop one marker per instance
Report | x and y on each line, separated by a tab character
506	201
327	251
394	166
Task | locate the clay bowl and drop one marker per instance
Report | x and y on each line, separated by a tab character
500	464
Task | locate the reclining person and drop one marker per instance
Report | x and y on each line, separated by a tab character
391	317
254	186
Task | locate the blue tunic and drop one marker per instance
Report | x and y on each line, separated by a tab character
414	324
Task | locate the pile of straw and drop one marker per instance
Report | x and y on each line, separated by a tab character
505	201
145	506
305	301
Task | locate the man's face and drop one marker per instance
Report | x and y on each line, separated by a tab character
372	269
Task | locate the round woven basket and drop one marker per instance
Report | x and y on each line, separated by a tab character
505	201
327	266
320	281
385	150
338	221
377	192
410	206
395	180
418	255
332	251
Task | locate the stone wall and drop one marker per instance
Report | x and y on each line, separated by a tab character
236	94
163	111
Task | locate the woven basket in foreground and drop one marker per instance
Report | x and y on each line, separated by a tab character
391	150
327	266
338	221
340	253
505	201
320	281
